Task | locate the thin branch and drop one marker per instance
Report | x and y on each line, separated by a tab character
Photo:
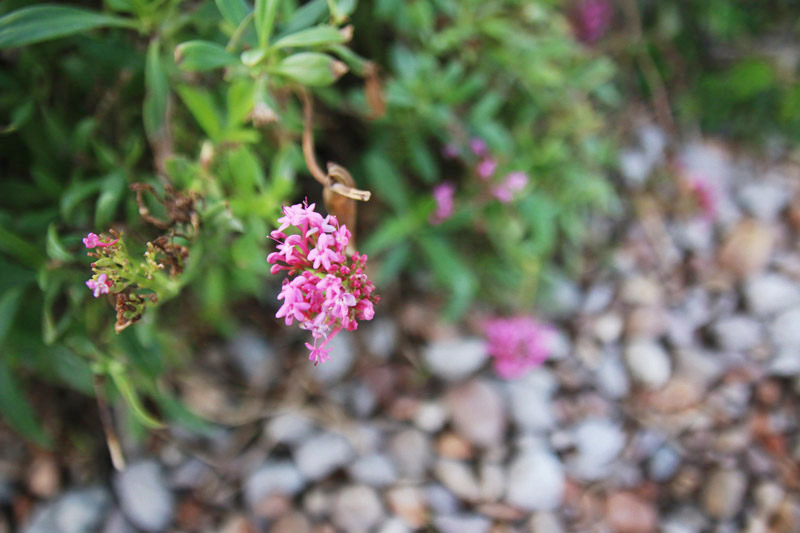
337	179
112	440
308	139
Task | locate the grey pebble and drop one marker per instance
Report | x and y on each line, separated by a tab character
144	496
455	358
321	454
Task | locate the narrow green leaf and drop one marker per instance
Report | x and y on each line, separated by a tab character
156	92
19	116
241	93
265	20
316	36
203	55
76	193
386	182
233	11
451	271
204	110
55	250
342	9
131	396
107	202
20	249
310	69
306	15
9	303
15	408
422	160
40	23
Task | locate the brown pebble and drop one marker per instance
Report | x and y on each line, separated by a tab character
43	476
453	446
627	513
768	393
238	524
293	522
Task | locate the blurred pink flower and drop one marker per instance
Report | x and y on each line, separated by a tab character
517	344
704	195
443	194
486	168
514	182
451	151
591	19
478	146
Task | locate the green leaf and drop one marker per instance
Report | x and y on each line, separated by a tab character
385	181
265	20
156	92
451	271
8	309
310	69
20	248
19	116
540	215
233	11
107	202
131	396
316	36
76	193
342	9
40	23
56	250
422	160
201	105
203	55
240	98
306	15
15	408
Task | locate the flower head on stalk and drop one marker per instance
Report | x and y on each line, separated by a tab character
134	285
517	344
513	183
443	195
325	291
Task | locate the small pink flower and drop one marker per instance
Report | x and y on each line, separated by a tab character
478	146
451	151
517	344
591	19
514	182
486	168
92	241
99	286
443	194
705	197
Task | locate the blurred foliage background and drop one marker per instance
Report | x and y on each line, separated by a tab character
199	100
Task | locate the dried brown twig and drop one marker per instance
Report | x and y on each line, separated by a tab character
339	191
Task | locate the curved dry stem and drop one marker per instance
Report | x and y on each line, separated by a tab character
308	139
337	179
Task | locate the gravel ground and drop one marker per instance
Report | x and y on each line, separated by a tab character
670	402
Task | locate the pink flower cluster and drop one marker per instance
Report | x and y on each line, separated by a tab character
704	195
325	291
517	344
99	284
443	194
514	183
591	19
